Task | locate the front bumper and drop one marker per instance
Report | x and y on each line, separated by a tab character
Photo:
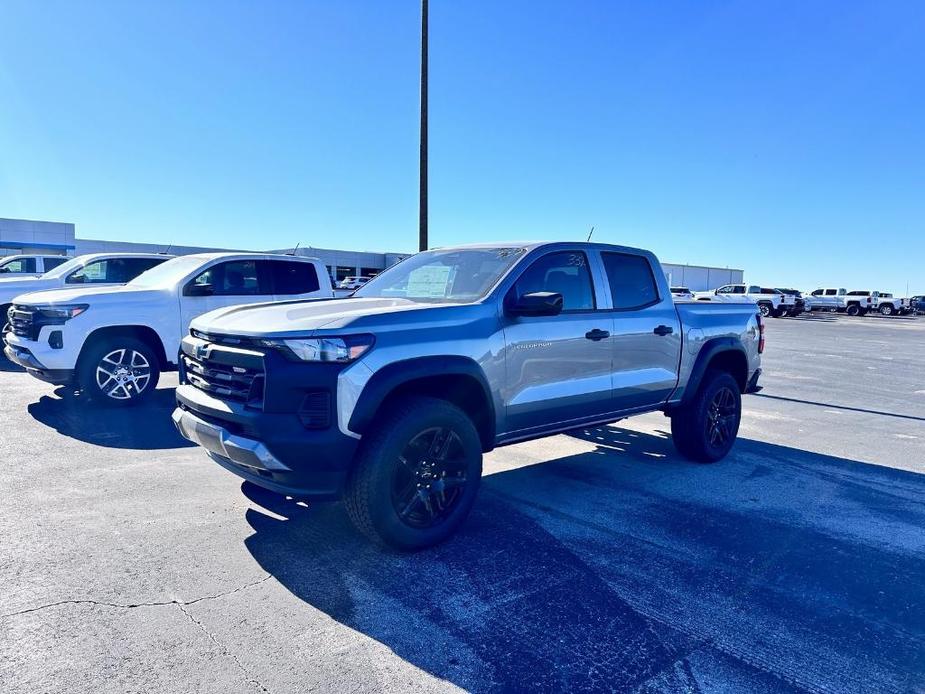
22	356
273	450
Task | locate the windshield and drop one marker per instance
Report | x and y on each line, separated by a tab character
443	276
65	268
169	272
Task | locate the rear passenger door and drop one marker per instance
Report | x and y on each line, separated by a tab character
557	367
646	332
293	279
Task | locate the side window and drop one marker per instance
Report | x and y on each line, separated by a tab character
754	290
565	273
234	278
725	290
818	292
831	292
291	277
632	283
136	266
97	272
20	265
53	262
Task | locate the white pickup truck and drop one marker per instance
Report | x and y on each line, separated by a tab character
827	299
771	302
113	343
98	269
859	302
889	305
29	265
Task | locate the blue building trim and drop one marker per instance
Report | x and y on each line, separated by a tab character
31	244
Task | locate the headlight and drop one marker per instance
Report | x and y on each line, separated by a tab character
327	349
62	312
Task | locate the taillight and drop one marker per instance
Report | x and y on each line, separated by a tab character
760	333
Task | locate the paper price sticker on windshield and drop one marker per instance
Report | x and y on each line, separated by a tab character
430	281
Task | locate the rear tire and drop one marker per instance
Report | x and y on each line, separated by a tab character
705	429
416	475
764	310
118	371
853	310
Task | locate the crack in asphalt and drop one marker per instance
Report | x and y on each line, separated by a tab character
127	606
223	648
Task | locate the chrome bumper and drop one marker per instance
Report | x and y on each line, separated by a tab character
221	442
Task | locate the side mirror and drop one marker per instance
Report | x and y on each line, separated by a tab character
5	269
537	304
76	278
199	290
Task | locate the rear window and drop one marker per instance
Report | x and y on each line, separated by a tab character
51	263
291	277
632	284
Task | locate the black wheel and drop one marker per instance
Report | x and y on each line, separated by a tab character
118	371
416	475
853	310
705	429
886	310
764	310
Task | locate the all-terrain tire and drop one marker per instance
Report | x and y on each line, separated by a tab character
118	371
693	426
388	459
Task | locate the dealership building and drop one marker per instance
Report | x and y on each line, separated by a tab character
28	236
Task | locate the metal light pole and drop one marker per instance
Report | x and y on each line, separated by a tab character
422	209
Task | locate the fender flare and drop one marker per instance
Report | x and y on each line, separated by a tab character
711	348
396	374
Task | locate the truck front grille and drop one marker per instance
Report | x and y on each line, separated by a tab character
22	322
218	372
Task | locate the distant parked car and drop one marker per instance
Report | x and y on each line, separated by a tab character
888	305
682	294
352	282
917	304
23	266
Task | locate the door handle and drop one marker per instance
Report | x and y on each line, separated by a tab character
597	334
663	330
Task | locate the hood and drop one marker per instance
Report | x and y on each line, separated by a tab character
87	295
14	286
282	319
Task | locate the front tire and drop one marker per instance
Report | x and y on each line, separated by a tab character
886	310
118	371
853	310
705	429
417	474
764	310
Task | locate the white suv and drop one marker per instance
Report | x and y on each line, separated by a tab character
112	343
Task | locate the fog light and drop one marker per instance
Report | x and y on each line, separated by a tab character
56	340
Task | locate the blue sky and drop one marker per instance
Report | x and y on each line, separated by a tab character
784	138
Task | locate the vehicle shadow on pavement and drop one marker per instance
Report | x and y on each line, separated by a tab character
10	367
625	567
144	427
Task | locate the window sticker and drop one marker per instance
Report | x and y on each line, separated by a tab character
429	281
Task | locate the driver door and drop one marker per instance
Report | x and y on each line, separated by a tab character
224	284
558	368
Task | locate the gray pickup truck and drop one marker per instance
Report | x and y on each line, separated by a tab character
388	399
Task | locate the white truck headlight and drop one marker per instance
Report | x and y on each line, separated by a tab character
324	349
62	312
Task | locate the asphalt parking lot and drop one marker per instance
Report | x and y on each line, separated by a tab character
129	562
